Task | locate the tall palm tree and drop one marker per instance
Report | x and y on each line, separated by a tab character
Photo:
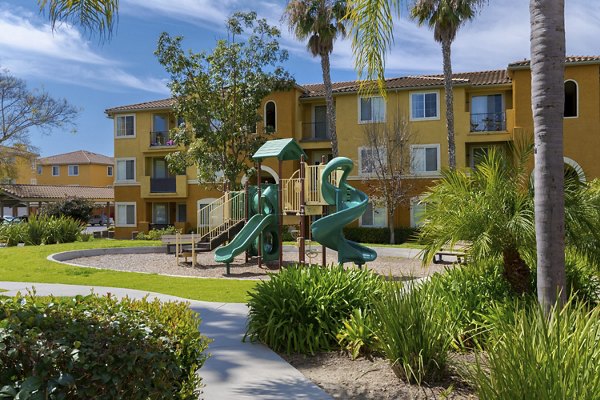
492	210
547	99
94	16
321	22
445	18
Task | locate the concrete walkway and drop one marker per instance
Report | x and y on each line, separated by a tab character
235	370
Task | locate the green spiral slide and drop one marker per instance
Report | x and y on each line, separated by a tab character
351	203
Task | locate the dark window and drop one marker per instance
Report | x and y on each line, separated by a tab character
270	116
181	212
570	99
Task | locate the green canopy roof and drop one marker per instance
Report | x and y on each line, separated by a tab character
282	149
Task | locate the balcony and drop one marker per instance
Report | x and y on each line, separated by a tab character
488	122
315	131
173	187
160	139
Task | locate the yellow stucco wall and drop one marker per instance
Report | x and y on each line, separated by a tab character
89	175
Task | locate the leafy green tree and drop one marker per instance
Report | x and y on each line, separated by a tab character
218	95
491	209
92	15
547	98
445	18
321	22
77	208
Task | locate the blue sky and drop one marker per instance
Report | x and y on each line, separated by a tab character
95	76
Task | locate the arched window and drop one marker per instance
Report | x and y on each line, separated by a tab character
571	106
270	116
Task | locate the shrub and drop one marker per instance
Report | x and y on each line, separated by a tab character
357	335
100	348
13	234
583	279
302	309
378	235
77	208
50	230
467	294
157	234
542	357
414	331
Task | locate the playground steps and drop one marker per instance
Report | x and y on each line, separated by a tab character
200	244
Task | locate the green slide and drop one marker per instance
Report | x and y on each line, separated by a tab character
244	238
351	204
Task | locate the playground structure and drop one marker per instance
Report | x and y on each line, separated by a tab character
252	219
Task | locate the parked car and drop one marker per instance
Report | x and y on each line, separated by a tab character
100	220
7	219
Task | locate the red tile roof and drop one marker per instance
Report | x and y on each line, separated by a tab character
568	60
149	105
55	192
77	157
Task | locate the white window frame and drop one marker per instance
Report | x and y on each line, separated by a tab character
117	136
360	161
265	114
576	99
472	153
33	181
374	207
413	220
117	180
72	167
437	98
57	170
205	201
110	170
371	121
126	203
413	147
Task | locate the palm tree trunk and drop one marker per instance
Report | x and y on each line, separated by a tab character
446	44
547	99
516	271
329	101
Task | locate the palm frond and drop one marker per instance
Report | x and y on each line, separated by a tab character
97	16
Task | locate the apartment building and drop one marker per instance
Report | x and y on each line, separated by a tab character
491	108
81	168
17	165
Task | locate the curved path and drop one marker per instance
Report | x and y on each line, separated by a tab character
235	370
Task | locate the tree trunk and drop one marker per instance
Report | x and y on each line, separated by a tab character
391	228
547	101
446	44
516	271
329	102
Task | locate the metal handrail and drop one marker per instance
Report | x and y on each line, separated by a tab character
217	217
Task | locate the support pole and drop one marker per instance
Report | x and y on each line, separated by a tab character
323	248
280	205
302	247
246	213
260	211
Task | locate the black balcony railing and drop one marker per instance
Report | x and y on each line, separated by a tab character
488	122
160	138
163	185
315	131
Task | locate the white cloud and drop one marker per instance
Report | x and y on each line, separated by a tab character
30	49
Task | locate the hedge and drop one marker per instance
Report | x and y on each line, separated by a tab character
92	347
378	235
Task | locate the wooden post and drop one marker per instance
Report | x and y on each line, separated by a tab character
177	248
280	205
246	209
302	247
259	211
323	248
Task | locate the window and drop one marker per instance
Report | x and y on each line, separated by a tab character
109	170
424	105
571	106
477	154
125	126
374	216
181	212
73	170
371	109
126	170
125	214
33	181
368	157
425	159
270	116
55	170
205	216
487	113
39	169
417	212
160	213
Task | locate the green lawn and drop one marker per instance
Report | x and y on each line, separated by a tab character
29	264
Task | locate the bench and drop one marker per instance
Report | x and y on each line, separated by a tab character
461	256
171	241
